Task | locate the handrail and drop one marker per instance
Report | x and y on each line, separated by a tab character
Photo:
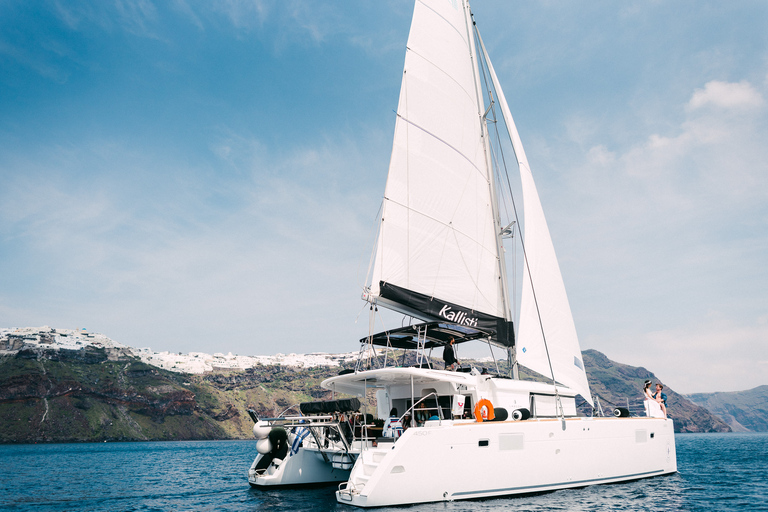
294	406
299	418
319	445
437	401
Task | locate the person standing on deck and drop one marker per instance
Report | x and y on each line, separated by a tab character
661	397
449	356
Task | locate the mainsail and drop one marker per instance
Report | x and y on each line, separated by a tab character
437	254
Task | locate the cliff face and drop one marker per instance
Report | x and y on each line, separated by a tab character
98	394
103	394
87	395
744	411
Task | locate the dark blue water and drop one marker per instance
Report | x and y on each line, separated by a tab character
717	472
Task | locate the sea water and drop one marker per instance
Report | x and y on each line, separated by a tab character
716	472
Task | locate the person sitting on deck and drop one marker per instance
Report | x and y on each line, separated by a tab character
422	415
449	356
393	427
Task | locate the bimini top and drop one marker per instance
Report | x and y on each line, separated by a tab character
438	334
330	406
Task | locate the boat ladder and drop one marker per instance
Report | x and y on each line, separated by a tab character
367	464
421	346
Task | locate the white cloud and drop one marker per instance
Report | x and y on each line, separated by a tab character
655	236
712	161
40	63
741	95
277	247
243	13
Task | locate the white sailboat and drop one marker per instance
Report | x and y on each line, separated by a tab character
316	446
440	258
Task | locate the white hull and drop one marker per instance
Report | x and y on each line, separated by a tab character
305	467
449	462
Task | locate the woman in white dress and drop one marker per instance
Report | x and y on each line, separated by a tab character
652	404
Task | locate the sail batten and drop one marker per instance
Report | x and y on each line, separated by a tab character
448	144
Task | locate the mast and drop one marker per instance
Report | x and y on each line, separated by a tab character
503	284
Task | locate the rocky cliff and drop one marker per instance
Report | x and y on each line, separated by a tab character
90	395
102	394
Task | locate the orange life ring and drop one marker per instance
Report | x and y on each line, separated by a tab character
484	410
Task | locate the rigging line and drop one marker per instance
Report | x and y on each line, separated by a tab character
476	57
360	312
508	215
527	265
536	303
377	223
488	83
511	309
498	153
493	356
500	150
498	168
495	170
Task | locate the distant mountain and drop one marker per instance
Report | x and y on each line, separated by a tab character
620	385
744	411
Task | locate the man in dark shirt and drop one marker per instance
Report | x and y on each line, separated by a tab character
449	356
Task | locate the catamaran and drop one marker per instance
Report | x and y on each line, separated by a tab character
316	446
440	260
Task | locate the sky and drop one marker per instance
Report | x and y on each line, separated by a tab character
205	176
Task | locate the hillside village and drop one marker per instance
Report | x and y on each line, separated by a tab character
14	339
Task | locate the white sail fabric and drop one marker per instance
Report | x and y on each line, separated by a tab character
544	303
437	234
